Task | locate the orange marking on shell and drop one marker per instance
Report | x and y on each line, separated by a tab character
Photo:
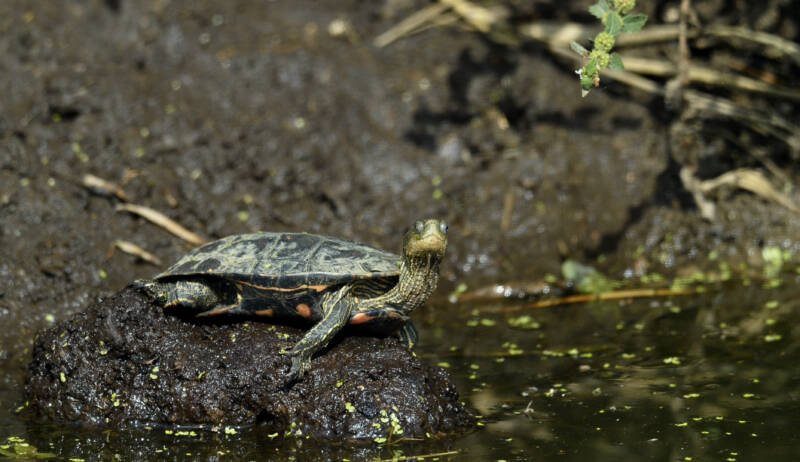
361	318
267	312
303	310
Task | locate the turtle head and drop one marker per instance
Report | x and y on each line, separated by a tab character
428	238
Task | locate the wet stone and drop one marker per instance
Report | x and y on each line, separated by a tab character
123	362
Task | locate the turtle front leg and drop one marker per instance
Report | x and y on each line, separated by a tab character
336	308
408	334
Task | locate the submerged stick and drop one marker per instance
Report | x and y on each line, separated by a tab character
422	456
613	295
159	219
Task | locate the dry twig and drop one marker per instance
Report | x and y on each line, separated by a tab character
698	104
477	16
133	249
753	181
558	39
704	105
707	76
410	24
708	209
104	187
777	47
563	33
684	64
163	221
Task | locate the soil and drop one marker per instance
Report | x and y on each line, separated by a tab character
238	116
123	362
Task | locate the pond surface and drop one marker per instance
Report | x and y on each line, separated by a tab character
713	376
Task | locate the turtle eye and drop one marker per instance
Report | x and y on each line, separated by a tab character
443	227
419	226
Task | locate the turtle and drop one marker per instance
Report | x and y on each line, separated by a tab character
323	281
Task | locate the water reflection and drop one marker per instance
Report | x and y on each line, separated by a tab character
691	378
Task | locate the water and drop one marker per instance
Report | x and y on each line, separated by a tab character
714	376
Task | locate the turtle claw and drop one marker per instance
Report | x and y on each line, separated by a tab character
300	365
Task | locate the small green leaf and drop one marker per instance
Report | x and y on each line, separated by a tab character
599	9
616	62
633	22
614	23
578	48
587	83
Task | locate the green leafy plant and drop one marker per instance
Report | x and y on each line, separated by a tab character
615	18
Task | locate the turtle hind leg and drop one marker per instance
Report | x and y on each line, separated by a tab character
196	296
232	308
150	288
142	285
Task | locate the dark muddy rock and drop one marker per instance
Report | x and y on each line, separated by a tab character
124	362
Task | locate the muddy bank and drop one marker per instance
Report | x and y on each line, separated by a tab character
123	362
237	117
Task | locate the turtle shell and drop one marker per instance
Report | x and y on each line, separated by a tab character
286	261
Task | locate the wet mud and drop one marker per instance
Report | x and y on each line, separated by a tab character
124	363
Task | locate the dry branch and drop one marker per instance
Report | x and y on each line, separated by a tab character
705	105
163	221
557	36
753	181
133	249
410	24
777	47
105	187
707	76
479	17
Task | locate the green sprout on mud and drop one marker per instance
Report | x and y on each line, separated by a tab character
615	18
